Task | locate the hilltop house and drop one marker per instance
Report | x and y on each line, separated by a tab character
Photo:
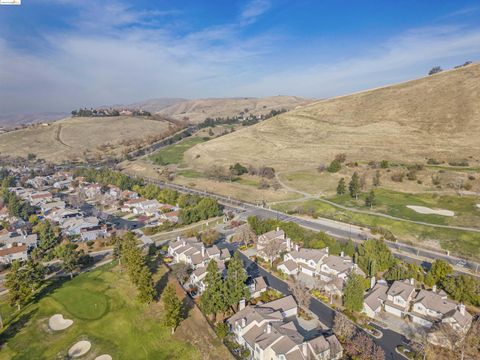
269	331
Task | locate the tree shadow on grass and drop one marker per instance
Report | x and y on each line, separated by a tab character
187	305
16	326
160	285
50	287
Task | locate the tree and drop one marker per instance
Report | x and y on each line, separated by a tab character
435	70
213	299
334	166
362	347
17	283
384	164
69	256
172	308
235	287
463	288
354	185
376	179
238	169
245	235
440	269
272	249
370	199
374	251
181	271
34	274
300	292
353	293
343	327
209	237
349	248
47	238
341	187
146	291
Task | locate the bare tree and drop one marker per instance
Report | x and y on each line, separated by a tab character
300	292
245	235
343	327
362	347
471	345
272	250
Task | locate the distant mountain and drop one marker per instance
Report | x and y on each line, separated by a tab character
198	110
155	105
9	121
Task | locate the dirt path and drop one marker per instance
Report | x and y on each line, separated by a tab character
307	196
58	131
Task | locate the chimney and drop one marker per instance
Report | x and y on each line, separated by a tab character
461	308
434	288
305	349
372	281
241	304
412	281
342	254
297	247
289	244
244	322
269	328
278	228
184	243
326	249
203	250
178	238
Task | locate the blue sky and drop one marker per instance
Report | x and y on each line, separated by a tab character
56	55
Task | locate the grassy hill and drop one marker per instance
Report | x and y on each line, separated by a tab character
198	110
436	116
78	138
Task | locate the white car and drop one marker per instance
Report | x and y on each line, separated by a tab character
461	263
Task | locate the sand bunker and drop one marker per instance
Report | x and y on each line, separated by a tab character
104	357
478	206
79	349
428	211
57	322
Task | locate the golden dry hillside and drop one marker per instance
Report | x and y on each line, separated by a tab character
436	116
198	110
79	138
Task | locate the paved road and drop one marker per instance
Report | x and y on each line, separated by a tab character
336	229
389	341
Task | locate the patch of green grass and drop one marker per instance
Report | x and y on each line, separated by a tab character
248	182
124	329
173	154
466	243
190	173
395	204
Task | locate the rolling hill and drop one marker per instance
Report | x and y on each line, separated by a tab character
198	110
436	116
79	138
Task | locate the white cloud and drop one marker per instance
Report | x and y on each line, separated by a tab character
121	60
254	9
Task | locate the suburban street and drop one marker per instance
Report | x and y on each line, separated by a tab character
333	228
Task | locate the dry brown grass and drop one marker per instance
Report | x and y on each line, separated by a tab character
436	116
198	110
77	138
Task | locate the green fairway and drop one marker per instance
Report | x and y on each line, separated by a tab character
395	203
465	243
105	312
173	154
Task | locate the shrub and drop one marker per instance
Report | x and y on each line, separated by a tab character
432	161
238	169
412	175
398	177
435	70
459	163
384	164
334	166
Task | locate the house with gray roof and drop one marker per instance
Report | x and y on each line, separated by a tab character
269	331
399	297
275	236
374	300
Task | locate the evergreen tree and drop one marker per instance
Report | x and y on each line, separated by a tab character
47	239
69	256
370	199
34	274
341	187
19	288
353	293
172	308
354	185
213	300
374	250
440	270
349	248
235	287
146	291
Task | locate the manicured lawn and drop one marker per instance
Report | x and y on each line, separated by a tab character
461	242
395	203
173	154
104	309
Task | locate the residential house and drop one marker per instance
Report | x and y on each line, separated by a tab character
92	190
399	297
431	307
129	195
38	197
11	253
269	331
74	226
375	299
340	267
257	286
93	233
278	236
308	260
19	238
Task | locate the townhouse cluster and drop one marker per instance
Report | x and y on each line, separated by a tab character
151	212
317	267
271	331
423	307
193	253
